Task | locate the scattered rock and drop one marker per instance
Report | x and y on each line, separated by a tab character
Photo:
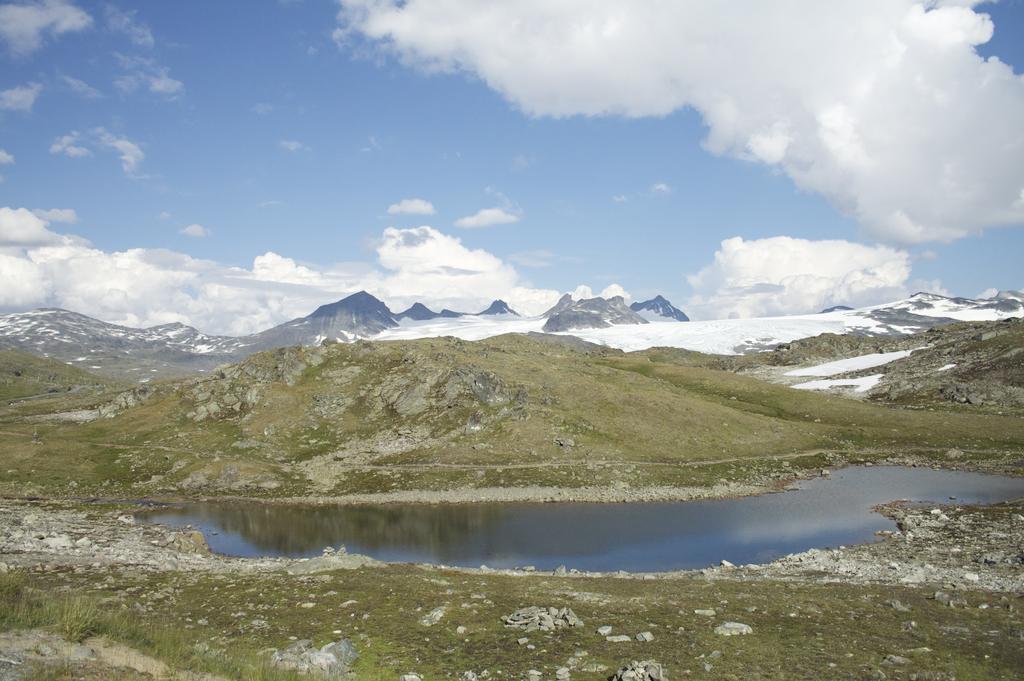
535	618
604	631
706	612
733	629
895	661
332	661
648	670
645	637
620	638
434	616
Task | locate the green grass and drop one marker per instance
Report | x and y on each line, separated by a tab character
799	628
644	419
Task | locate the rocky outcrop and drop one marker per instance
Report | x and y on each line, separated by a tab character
648	670
535	618
236	389
332	661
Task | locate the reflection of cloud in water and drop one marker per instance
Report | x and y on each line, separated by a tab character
642	537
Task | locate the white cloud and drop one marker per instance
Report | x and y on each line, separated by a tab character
262	108
69	145
660	188
620	198
292	146
784	275
23	25
144	72
883	106
6	158
486	217
164	215
20	98
141	287
582	292
411	207
131	154
66	216
195	230
80	87
22	227
125	23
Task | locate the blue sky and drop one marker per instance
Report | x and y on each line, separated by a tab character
213	93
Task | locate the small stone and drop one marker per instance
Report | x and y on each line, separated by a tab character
971	576
895	660
522	641
434	616
562	674
307	605
410	677
733	629
707	612
621	638
460	630
726	564
604	631
645	637
533	675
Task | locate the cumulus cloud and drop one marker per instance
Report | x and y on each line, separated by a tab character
22	227
486	217
123	22
411	207
582	292
195	230
70	145
884	107
141	287
64	215
20	98
785	275
660	189
6	158
24	25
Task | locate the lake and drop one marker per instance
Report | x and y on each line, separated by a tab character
639	537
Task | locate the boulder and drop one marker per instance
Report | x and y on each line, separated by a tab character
333	661
733	629
648	670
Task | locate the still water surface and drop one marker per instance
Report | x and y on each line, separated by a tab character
642	537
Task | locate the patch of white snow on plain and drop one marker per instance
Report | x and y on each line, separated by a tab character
946	368
859	385
843	366
722	337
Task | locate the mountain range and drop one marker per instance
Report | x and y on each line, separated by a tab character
176	349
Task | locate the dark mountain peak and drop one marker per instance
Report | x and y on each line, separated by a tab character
358	303
836	308
659	308
499	307
418	312
449	314
564	303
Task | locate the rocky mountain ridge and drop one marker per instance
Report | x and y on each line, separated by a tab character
658	309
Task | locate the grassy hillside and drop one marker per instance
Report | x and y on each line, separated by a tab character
24	375
444	413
